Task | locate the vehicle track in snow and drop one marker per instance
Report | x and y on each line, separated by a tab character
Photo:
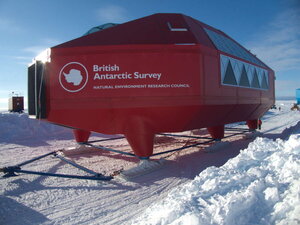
51	200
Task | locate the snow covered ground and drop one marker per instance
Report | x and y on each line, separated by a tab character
248	182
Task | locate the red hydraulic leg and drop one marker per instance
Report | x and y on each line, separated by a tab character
141	144
252	124
216	132
81	136
140	136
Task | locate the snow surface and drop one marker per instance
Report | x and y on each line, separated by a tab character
259	186
246	182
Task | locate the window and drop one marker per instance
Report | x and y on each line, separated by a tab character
227	45
264	83
244	81
238	73
229	77
255	82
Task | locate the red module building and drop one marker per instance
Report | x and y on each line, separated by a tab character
16	104
161	73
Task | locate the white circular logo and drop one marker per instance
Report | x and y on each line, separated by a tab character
73	77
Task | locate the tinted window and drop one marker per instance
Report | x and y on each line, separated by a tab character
238	73
227	45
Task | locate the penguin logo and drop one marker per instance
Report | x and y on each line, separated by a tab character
73	77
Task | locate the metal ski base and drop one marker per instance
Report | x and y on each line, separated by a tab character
232	131
12	170
142	168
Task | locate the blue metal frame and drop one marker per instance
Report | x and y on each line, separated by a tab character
12	170
109	149
209	140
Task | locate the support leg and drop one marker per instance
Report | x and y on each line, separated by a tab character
216	132
141	143
140	136
81	136
252	124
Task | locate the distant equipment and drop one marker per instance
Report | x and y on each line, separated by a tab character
274	107
298	96
15	103
295	107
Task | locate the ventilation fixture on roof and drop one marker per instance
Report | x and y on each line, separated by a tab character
99	28
176	28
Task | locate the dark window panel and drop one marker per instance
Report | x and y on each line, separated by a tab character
255	82
229	77
244	81
264	83
227	45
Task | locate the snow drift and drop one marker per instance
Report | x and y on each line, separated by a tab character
259	186
15	126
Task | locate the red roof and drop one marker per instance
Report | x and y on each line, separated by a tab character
153	29
165	28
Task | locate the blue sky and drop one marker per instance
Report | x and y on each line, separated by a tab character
269	28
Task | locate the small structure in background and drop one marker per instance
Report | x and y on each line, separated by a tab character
274	107
298	96
15	103
295	107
